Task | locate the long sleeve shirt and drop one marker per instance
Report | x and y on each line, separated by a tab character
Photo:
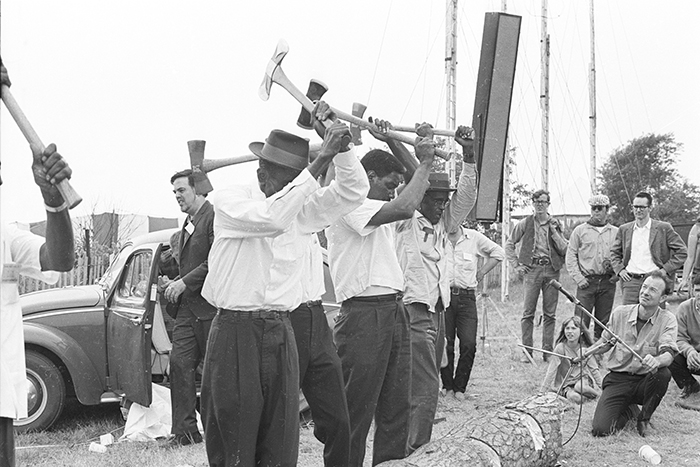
688	316
463	255
658	335
421	246
240	259
589	251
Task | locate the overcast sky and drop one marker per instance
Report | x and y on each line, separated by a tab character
121	87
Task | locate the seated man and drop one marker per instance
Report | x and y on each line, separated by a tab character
687	362
651	331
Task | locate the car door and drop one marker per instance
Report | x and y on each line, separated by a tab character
129	323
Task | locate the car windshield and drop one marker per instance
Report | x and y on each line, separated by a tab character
115	267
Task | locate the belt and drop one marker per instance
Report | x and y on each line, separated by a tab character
636	276
390	297
311	303
460	291
541	261
256	314
598	276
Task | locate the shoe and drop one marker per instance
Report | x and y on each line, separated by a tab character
642	427
460	396
691	402
182	439
690	389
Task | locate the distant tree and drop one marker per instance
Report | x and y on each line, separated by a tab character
648	163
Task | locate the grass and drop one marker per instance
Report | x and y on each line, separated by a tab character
497	378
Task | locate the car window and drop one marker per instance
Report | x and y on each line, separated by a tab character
134	283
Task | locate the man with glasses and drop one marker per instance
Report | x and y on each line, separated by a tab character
542	252
643	246
588	262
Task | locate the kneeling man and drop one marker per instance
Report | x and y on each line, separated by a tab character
651	331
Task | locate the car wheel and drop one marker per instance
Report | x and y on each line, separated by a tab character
46	394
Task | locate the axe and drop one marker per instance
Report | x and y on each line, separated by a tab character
316	90
275	74
207	165
202	186
358	110
70	196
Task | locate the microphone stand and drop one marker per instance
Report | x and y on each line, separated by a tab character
554	283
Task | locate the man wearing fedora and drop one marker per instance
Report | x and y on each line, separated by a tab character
542	254
421	247
588	263
250	385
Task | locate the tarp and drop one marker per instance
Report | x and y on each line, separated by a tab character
151	423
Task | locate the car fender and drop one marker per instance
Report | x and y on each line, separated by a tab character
86	381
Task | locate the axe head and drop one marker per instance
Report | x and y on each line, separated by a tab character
202	186
280	52
316	90
358	110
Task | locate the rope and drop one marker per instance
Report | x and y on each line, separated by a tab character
379	54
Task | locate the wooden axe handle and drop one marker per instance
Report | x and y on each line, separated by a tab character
391	133
70	196
410	129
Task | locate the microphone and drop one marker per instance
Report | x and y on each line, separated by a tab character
554	283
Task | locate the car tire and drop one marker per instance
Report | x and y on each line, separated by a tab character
47	393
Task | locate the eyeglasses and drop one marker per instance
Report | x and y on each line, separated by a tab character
598	207
540	202
635	206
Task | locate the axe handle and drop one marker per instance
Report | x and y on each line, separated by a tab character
70	196
393	134
410	129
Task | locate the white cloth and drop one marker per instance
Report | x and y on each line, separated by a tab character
421	246
462	257
19	255
641	261
361	255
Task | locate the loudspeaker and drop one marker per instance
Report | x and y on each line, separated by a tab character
494	92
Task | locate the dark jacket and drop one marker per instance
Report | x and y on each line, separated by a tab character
194	250
667	248
525	231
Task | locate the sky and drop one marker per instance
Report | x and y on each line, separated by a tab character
120	87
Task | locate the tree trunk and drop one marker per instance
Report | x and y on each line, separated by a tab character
523	434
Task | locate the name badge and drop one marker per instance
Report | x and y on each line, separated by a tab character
189	228
10	272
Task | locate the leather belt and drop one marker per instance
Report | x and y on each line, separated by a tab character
541	261
311	303
393	297
636	276
460	291
257	314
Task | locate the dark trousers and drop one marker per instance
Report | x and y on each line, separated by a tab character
427	344
321	378
7	442
250	391
620	391
630	290
535	281
372	335
682	375
189	346
597	298
462	320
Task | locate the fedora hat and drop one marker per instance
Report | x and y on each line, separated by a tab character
439	182
283	149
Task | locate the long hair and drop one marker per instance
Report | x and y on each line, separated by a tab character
584	338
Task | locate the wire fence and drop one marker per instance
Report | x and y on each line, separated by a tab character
83	273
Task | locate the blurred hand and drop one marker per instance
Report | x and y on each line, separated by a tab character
465	138
424	130
336	139
694	361
425	149
651	363
584	284
522	269
624	275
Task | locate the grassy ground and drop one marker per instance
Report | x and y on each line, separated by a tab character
498	378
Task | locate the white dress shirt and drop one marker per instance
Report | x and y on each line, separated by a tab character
363	256
641	261
463	256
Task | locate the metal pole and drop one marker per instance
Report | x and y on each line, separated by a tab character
592	103
544	96
451	83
